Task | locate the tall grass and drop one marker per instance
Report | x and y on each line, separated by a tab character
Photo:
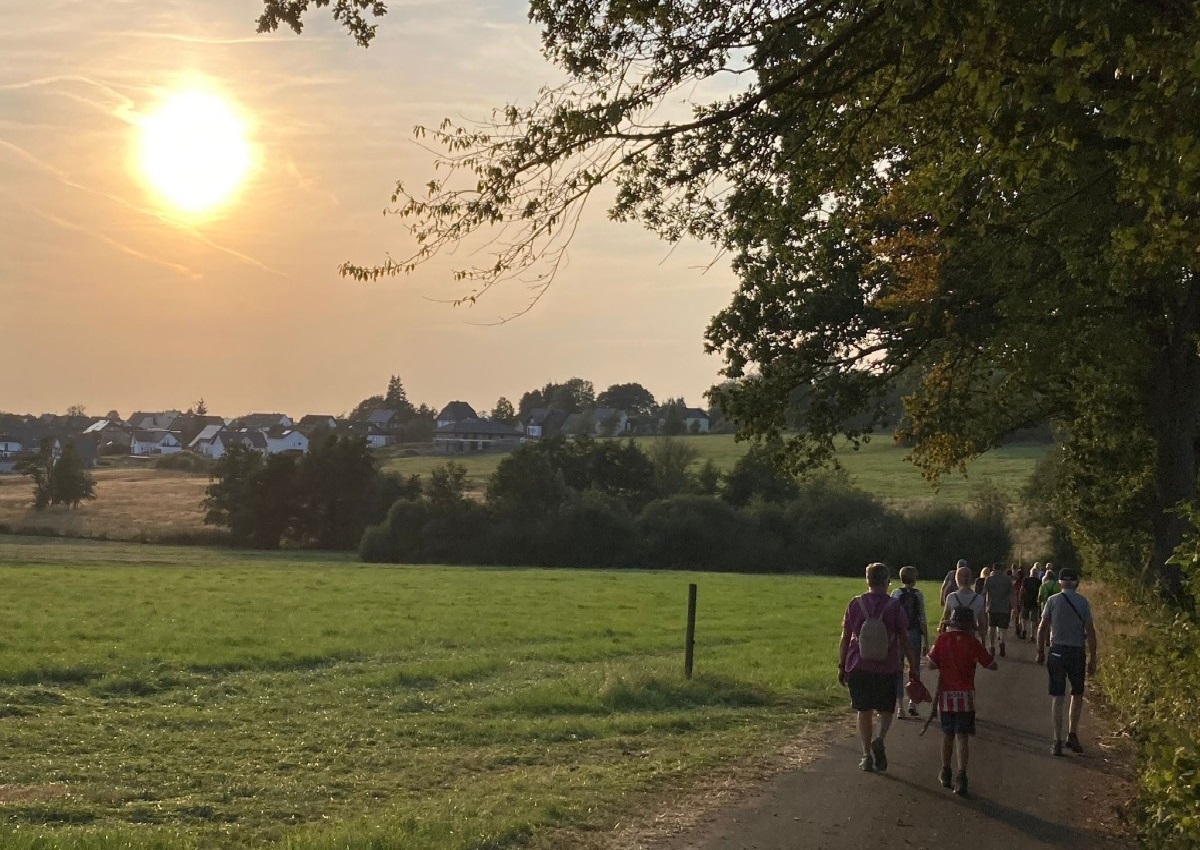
167	697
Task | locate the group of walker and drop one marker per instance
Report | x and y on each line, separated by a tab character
880	632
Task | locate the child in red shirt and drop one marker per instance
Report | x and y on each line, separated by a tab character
955	654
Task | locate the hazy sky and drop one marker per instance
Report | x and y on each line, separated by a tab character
110	299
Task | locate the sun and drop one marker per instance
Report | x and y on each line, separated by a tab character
193	151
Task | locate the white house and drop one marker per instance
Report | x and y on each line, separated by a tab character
696	420
154	441
10	446
286	440
208	442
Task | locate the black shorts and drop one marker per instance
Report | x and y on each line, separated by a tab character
999	619
957	722
1065	663
872	691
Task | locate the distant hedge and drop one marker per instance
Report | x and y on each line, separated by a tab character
822	530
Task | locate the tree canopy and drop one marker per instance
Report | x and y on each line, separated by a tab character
993	203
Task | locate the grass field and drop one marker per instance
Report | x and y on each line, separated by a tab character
154	696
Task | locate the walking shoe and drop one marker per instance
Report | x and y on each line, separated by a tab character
880	754
1073	744
912	710
867	765
1056	749
945	777
1002	649
960	783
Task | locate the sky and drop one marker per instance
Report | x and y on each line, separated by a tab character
111	297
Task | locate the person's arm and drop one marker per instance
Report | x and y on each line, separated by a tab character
914	659
924	621
1043	634
843	649
1090	635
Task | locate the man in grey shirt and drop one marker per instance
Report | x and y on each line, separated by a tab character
997	589
1067	628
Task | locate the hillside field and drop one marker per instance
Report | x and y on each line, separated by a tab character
135	504
165	697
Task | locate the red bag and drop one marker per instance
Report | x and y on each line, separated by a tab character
917	692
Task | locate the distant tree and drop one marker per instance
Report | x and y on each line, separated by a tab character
230	497
633	398
339	490
573	396
113	416
758	475
585	425
420	428
672	460
708	479
77	410
39	467
504	412
397	399
70	482
526	485
200	407
365	407
446	487
673	423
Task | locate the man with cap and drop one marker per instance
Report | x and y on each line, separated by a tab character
1067	628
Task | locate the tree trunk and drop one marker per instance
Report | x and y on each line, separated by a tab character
1176	417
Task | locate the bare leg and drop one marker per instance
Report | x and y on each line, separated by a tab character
947	750
1076	711
964	750
885	722
865	722
1056	714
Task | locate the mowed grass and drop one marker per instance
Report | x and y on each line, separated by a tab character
168	697
129	504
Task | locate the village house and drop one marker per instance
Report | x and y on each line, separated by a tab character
456	411
475	435
154	441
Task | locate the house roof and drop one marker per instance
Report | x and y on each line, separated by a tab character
249	439
694	413
381	416
456	411
261	420
278	432
311	419
206	435
477	426
151	435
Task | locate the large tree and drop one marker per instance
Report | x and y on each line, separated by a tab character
633	398
994	202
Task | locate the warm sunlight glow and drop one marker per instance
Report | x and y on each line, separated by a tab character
194	151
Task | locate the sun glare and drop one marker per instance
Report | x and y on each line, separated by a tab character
194	151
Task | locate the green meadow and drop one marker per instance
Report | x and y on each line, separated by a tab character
159	697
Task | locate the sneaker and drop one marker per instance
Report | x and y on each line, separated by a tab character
880	754
1056	749
1001	650
912	710
960	784
944	776
1073	744
867	765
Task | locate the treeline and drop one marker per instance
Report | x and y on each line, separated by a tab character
584	503
322	499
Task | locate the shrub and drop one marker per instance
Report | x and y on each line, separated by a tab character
593	530
695	532
184	461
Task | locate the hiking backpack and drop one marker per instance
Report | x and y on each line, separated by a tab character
908	601
874	642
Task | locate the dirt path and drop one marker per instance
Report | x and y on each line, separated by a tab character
1021	796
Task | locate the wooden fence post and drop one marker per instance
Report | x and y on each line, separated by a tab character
689	649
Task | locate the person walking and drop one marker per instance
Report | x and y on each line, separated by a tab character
1017	620
1030	612
1067	628
964	597
1050	586
913	602
950	582
954	655
998	599
872	652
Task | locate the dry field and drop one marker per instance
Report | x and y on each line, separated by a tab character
130	504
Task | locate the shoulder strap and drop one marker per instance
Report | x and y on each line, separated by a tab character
1067	599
